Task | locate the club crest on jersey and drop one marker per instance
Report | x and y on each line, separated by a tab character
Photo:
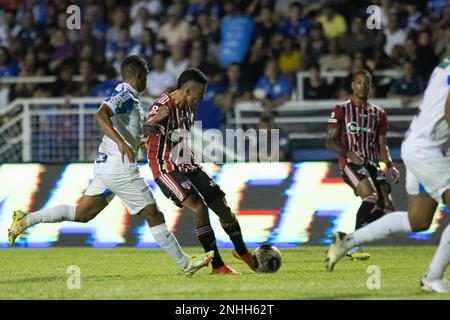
362	171
352	128
101	157
186	185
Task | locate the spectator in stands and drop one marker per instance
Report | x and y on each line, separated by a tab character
408	88
295	25
208	26
8	68
291	59
333	23
208	111
314	86
64	84
266	27
235	34
358	38
414	16
394	34
118	20
198	59
263	149
28	67
146	45
6	26
153	7
175	29
398	56
28	32
86	70
273	89
62	49
177	62
334	60
234	88
105	88
316	46
442	48
123	43
426	53
141	22
209	6
159	80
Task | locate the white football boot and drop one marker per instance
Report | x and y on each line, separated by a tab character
336	250
436	285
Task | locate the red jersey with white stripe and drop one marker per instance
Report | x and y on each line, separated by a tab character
359	129
170	151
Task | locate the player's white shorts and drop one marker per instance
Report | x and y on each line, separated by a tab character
426	170
132	189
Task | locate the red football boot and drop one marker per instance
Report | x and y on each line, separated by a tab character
225	271
247	258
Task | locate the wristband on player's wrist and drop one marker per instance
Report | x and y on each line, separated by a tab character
389	164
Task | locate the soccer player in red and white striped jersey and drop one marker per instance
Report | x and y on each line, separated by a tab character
357	132
180	175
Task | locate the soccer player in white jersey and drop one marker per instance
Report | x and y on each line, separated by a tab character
116	172
426	154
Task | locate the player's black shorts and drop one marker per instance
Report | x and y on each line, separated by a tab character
177	186
353	174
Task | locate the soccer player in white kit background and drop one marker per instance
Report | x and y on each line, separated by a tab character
426	154
116	172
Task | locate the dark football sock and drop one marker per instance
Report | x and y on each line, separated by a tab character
207	238
233	229
363	216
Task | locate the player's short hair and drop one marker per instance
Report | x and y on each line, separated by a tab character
132	65
192	74
363	72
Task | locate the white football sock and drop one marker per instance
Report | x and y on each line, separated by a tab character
59	213
441	258
169	243
392	223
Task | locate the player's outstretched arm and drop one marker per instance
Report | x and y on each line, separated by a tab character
103	118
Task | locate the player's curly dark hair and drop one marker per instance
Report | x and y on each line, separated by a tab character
192	74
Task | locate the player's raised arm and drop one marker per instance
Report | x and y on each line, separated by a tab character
103	118
332	138
384	148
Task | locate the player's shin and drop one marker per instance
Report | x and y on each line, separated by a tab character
169	244
363	216
233	230
393	223
205	235
55	214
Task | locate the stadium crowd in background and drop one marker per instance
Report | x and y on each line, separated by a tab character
249	49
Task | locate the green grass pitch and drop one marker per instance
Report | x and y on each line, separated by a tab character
128	273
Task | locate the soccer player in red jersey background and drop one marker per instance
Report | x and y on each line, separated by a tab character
180	175
357	132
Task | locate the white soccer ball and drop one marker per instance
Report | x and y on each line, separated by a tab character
267	258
